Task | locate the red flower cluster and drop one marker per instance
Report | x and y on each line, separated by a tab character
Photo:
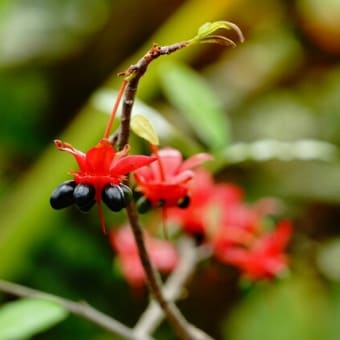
100	176
162	254
263	257
235	231
102	164
166	182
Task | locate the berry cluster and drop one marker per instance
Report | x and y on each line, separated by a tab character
100	177
83	195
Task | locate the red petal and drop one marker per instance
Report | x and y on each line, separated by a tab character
283	233
183	177
233	255
276	241
122	240
132	269
130	163
163	254
99	158
78	155
144	174
171	160
195	160
171	193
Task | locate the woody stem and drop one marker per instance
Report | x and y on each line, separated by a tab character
81	309
133	74
170	310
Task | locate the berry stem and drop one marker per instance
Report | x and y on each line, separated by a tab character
114	109
101	217
155	150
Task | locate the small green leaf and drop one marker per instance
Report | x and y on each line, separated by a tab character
204	29
192	96
143	128
205	32
26	317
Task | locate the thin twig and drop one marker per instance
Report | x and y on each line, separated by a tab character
174	316
190	256
81	309
133	74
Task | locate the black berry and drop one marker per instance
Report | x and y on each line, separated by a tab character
84	196
127	193
62	195
143	205
113	197
184	202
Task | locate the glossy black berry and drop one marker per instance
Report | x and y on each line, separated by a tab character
113	197
62	195
184	202
84	196
127	193
143	205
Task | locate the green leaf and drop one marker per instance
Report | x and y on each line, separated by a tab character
192	96
26	317
143	128
206	33
211	27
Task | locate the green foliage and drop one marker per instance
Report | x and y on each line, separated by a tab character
206	34
192	96
24	318
296	309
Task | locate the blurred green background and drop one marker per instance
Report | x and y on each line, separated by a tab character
280	96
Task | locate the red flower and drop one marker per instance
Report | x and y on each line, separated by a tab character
219	215
211	206
264	258
162	254
100	175
102	164
165	182
238	224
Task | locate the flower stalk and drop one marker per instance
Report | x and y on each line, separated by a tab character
132	76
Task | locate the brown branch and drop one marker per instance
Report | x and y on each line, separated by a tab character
174	316
133	74
81	309
190	256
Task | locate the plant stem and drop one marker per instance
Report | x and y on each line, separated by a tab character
133	74
81	309
190	256
174	316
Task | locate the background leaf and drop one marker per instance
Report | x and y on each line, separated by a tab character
192	96
26	317
296	309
